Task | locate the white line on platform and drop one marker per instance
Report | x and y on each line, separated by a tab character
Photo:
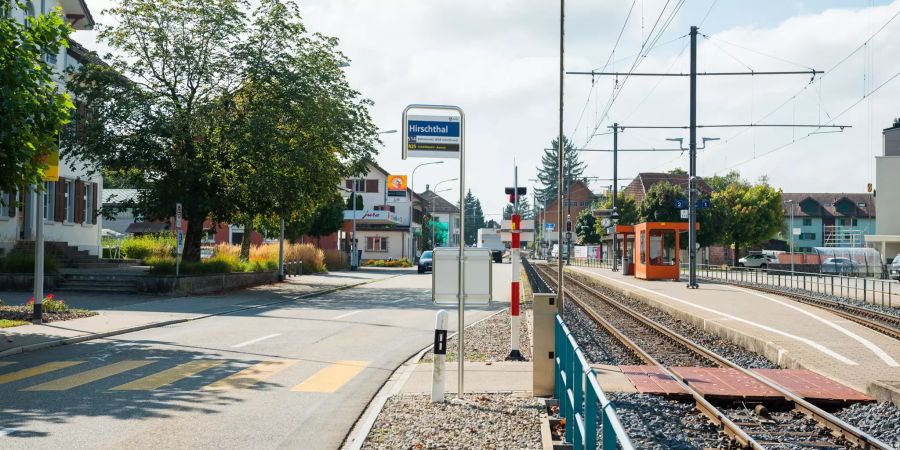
865	342
7	431
804	340
342	316
253	341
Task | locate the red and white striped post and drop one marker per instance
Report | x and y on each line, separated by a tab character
514	298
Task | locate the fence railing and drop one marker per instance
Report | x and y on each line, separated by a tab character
869	290
581	399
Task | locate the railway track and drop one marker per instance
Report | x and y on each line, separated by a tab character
755	427
887	324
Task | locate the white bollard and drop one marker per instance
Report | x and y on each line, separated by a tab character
440	356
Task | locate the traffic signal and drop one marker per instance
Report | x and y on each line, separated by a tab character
512	193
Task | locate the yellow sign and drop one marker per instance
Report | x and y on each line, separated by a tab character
397	183
51	159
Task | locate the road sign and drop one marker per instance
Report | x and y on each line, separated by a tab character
703	203
796	232
680	204
432	136
550	226
180	241
178	216
610	230
685	213
396	186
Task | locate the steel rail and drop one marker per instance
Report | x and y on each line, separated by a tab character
837	426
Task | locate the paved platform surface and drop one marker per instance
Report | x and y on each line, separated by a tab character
504	376
790	333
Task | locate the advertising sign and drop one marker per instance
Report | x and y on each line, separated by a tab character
396	185
51	159
178	216
432	136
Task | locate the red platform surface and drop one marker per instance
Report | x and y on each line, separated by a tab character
731	384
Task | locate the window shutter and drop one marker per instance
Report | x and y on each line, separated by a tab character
11	203
348	184
371	185
79	201
59	205
94	205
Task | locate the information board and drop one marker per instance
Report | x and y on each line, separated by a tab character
432	136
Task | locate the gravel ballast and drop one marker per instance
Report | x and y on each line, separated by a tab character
482	421
654	422
488	340
881	420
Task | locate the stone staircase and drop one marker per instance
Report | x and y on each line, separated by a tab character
108	281
70	257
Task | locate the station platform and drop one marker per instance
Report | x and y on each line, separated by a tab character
480	377
787	332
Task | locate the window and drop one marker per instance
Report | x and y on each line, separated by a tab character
69	204
4	205
49	199
88	203
807	222
662	247
376	244
807	236
642	252
855	222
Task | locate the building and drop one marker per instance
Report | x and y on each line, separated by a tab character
71	204
828	219
388	227
887	195
642	184
443	211
580	198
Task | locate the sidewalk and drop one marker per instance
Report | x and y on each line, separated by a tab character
479	377
140	312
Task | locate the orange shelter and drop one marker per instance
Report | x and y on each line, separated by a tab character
657	250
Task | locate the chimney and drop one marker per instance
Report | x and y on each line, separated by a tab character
427	187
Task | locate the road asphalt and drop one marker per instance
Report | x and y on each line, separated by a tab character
291	375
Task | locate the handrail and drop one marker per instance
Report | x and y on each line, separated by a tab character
579	397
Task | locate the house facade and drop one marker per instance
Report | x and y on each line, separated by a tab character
580	198
887	195
70	204
443	211
828	219
387	227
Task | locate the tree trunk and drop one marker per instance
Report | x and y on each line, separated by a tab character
737	251
192	240
245	240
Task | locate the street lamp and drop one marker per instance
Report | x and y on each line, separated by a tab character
435	191
412	176
412	184
387	132
791	203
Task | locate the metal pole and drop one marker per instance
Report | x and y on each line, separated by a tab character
462	248
281	251
354	262
692	181
615	190
38	314
515	245
561	163
792	236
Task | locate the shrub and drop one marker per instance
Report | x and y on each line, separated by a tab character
49	304
148	245
24	263
402	262
336	260
161	265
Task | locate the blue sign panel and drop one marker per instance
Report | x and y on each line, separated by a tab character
704	203
551	226
433	136
681	204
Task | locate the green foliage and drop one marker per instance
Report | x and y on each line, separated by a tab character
548	173
359	203
219	263
627	208
336	260
751	214
525	209
24	263
242	117
586	228
721	182
32	107
659	203
149	245
474	218
403	262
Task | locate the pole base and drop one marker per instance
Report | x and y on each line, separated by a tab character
693	286
515	355
38	315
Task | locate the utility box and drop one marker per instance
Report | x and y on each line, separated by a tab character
445	276
544	345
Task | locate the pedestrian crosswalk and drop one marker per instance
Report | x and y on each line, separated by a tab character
161	374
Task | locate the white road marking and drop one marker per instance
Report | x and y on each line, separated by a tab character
865	342
7	431
804	340
342	316
253	341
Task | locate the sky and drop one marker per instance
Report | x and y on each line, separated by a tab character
499	61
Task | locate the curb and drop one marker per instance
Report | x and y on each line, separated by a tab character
356	437
77	339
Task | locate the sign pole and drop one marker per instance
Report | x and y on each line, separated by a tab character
461	354
179	239
37	315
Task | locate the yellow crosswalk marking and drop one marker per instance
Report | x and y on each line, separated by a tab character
169	376
331	378
36	370
88	376
250	376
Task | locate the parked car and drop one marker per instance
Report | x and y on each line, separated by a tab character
894	268
840	266
757	261
425	262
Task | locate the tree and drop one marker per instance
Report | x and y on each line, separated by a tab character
721	182
678	171
474	218
586	229
659	203
327	218
32	106
548	173
492	224
242	119
751	214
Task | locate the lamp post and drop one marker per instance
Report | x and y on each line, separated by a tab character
354	263
791	203
432	207
412	184
614	220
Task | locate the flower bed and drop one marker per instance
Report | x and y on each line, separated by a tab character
403	262
53	309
